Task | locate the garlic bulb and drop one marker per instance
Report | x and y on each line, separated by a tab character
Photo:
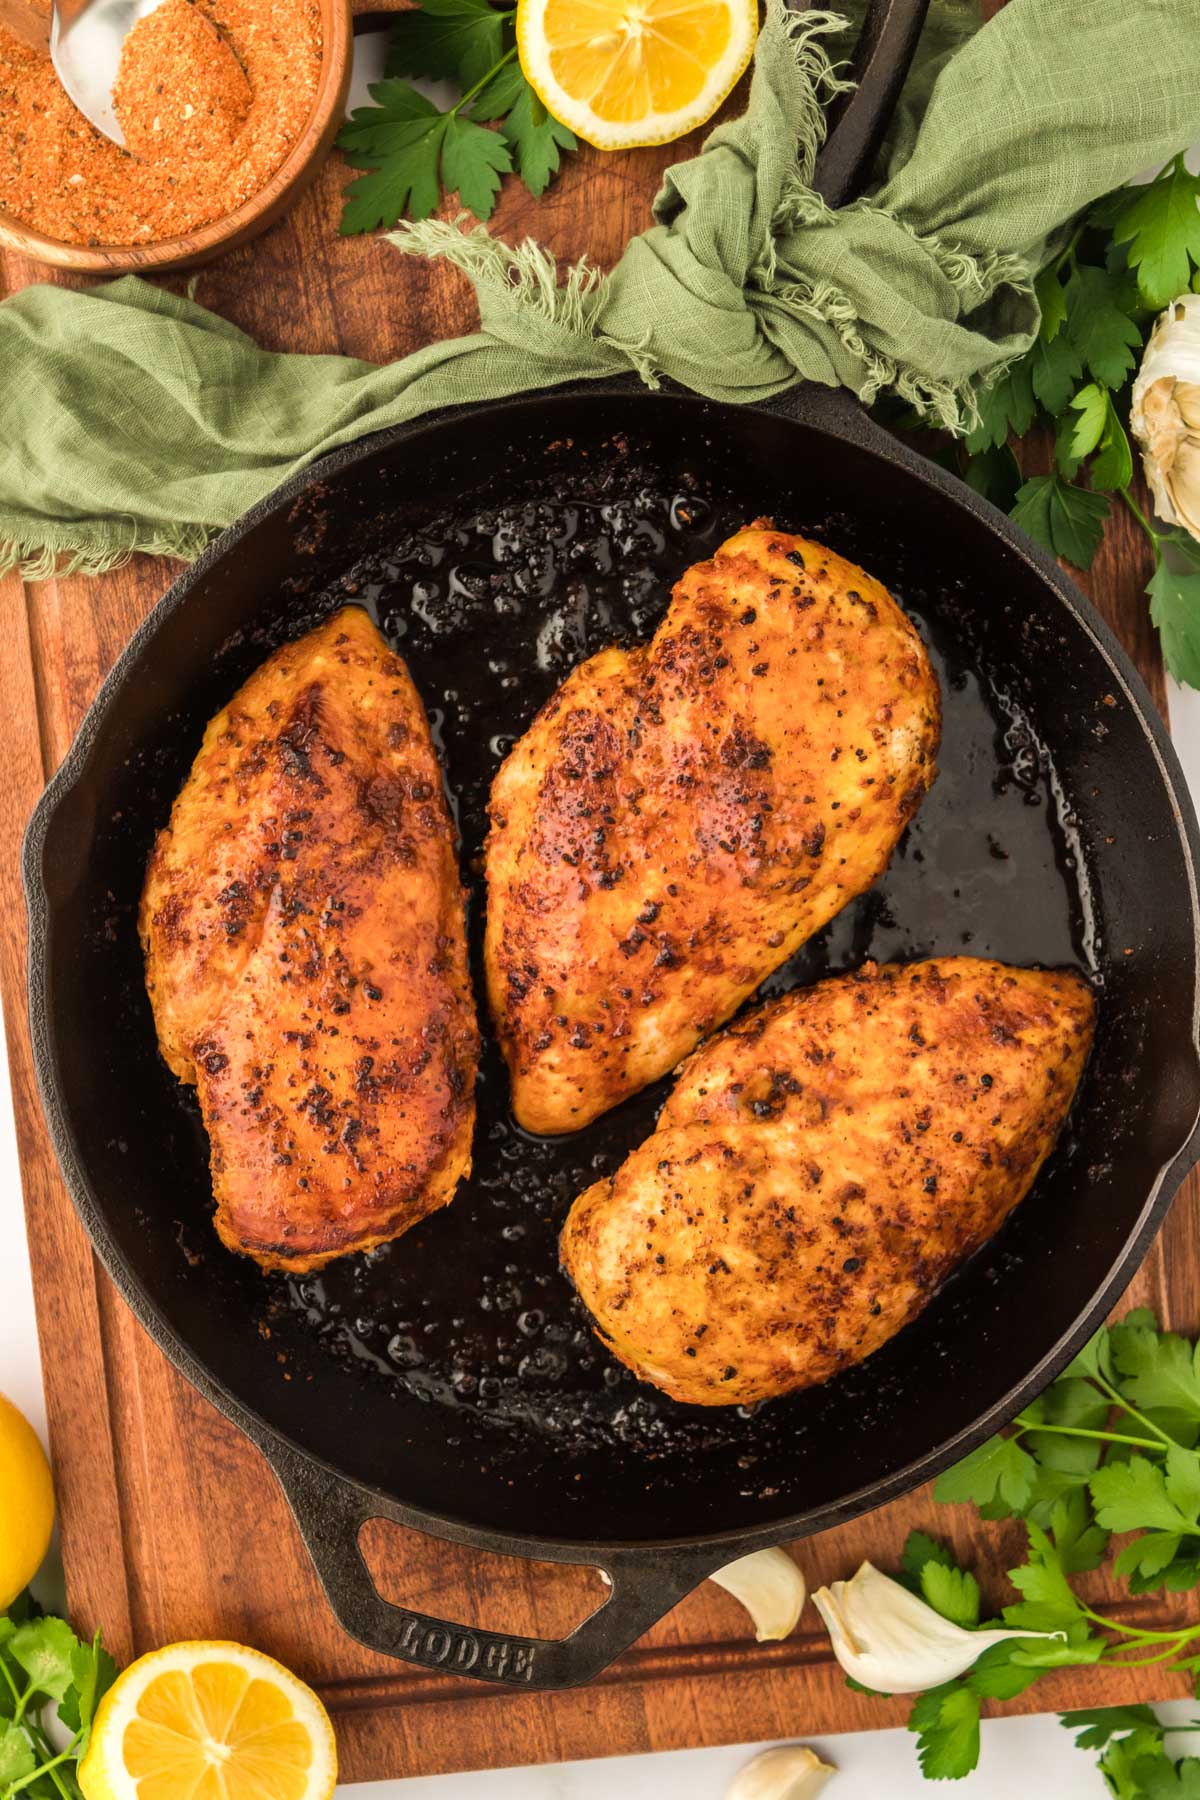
770	1587
1165	413
890	1640
793	1772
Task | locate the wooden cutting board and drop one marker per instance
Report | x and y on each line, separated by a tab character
172	1527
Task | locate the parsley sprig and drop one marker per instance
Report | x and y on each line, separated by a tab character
44	1665
1110	1449
416	152
1133	253
1134	1758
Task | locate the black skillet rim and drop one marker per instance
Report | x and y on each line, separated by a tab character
836	413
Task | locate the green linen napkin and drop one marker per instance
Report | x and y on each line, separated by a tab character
136	420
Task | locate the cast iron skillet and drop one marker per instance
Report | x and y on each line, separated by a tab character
449	1382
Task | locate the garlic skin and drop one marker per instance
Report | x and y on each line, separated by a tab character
793	1772
892	1641
770	1587
1164	414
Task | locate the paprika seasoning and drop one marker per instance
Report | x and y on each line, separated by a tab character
211	94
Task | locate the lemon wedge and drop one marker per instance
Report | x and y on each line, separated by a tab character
626	72
209	1721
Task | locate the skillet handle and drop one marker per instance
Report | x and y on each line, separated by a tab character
859	122
331	1512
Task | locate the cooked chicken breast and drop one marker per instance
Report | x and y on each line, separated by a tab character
302	922
681	817
819	1170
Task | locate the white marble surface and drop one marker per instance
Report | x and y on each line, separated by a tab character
1025	1756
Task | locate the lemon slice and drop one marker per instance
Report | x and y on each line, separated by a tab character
626	72
209	1721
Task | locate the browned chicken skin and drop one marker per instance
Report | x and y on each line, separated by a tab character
302	921
681	817
821	1167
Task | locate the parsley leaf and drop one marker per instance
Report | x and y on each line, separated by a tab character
1175	610
42	1662
449	40
1159	1371
1072	1402
1137	1495
1097	1726
1094	1359
1055	367
473	161
919	1550
44	1648
998	1470
1161	225
1049	1602
1080	1543
1076	1648
1052	302
1106	338
1182	1783
1147	1556
93	1672
1006	406
535	137
1129	1763
946	1721
500	92
952	1592
1109	1446
1113	467
1080	428
1069	521
997	1677
16	1755
414	151
994	474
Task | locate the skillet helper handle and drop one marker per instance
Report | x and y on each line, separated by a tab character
331	1512
859	122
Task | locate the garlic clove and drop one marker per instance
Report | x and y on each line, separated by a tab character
1187	399
792	1772
894	1642
770	1587
1164	413
1185	483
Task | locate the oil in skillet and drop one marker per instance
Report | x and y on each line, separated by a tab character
491	608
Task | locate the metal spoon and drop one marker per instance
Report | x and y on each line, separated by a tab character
86	39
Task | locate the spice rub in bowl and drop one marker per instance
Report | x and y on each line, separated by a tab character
62	177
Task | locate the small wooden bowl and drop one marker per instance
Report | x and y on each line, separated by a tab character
31	20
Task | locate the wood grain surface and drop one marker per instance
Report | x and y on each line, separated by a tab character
171	1525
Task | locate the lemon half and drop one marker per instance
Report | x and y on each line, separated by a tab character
209	1721
627	72
26	1503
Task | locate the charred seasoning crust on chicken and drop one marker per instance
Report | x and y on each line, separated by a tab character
680	817
820	1169
302	922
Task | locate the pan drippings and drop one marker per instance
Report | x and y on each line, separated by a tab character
491	607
